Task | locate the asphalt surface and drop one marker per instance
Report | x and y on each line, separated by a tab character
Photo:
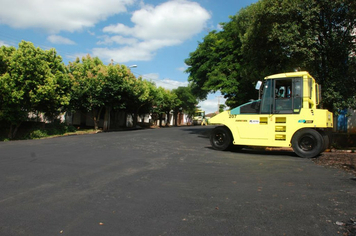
165	181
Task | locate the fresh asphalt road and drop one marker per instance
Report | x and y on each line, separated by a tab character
165	181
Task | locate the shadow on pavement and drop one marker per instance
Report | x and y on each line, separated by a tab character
260	151
202	131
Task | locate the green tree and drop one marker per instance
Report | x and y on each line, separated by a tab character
97	87
31	80
307	35
216	66
185	102
88	80
114	90
163	104
275	36
149	104
221	107
140	97
168	104
11	110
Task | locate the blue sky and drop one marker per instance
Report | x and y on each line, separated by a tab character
155	35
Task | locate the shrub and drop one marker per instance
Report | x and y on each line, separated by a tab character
36	130
37	134
71	128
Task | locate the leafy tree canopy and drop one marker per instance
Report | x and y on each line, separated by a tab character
185	100
274	36
31	80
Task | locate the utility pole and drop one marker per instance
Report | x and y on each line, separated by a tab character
219	103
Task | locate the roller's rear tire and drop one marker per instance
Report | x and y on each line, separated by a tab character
308	143
326	141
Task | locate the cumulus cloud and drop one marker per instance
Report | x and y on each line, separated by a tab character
168	24
154	77
177	19
170	84
219	27
182	69
132	49
56	39
164	83
211	104
55	16
123	55
118	39
2	43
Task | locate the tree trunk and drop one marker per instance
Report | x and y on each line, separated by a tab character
12	134
167	123
106	126
134	119
16	129
125	119
135	116
96	118
95	121
160	119
175	118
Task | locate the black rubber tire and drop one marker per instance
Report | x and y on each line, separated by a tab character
326	140
221	138
308	143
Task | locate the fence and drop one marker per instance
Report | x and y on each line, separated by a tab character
345	122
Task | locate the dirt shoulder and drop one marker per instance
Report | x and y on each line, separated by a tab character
344	159
341	159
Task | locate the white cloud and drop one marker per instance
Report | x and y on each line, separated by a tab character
55	16
91	33
2	43
182	69
164	83
151	76
123	55
177	19
170	84
118	39
211	104
168	24
140	51
56	39
73	57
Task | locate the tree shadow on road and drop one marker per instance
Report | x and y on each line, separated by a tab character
203	132
260	151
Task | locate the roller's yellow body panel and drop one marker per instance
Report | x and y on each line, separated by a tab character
271	130
277	130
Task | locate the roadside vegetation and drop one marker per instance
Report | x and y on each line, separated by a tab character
36	85
38	130
276	36
267	37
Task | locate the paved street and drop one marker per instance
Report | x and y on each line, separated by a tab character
165	181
